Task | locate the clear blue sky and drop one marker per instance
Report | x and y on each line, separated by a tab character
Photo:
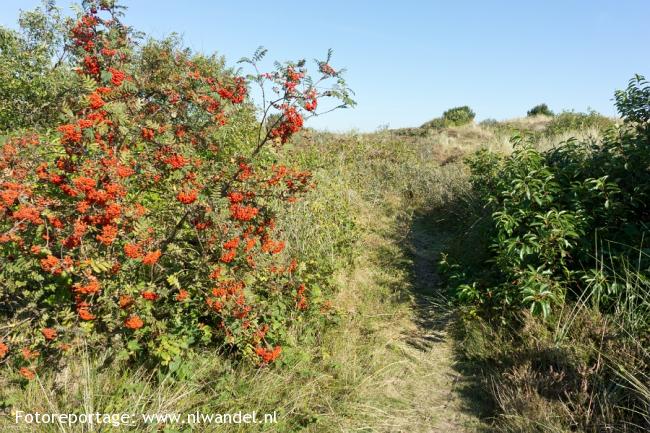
410	60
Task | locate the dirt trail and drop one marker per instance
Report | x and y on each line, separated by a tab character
416	384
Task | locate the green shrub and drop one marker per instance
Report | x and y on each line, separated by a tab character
634	103
550	208
541	109
563	235
569	121
437	123
33	82
457	116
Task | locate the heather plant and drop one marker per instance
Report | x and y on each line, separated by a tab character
145	221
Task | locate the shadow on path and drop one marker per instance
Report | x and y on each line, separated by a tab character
434	314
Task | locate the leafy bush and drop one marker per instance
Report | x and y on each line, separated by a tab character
145	222
457	116
541	109
634	103
34	82
562	234
550	208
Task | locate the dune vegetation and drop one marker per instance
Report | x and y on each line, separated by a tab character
167	247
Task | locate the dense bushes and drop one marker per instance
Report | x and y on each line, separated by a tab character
551	208
562	226
145	222
541	109
457	116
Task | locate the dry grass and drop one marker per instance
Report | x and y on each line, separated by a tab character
531	123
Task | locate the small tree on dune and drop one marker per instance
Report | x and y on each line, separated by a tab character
145	221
